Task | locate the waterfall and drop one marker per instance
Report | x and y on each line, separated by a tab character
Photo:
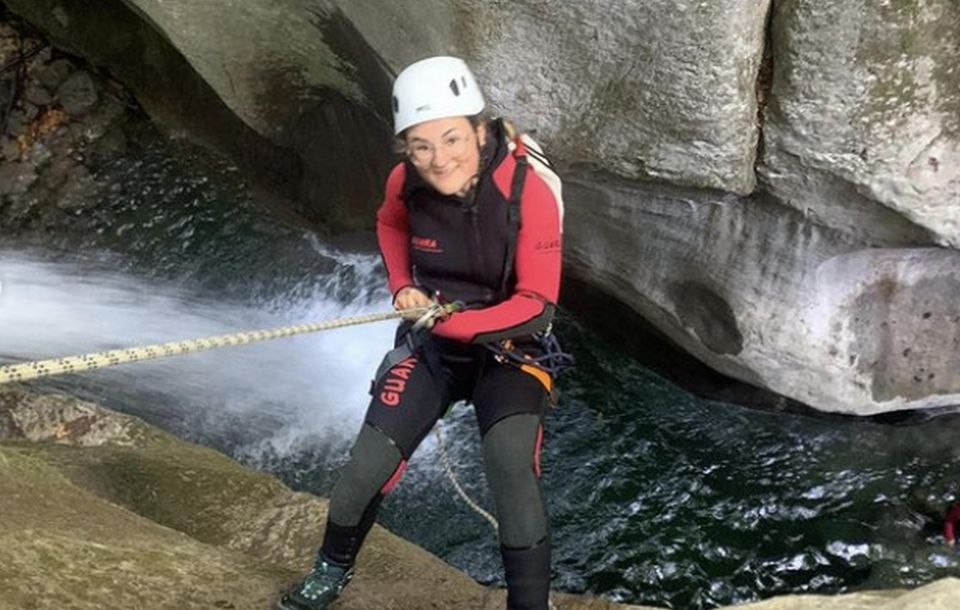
282	391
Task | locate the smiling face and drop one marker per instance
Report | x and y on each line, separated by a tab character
446	152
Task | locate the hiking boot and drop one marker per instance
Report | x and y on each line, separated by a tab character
318	589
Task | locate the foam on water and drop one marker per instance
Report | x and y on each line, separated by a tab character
290	389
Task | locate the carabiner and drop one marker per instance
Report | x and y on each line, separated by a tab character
431	314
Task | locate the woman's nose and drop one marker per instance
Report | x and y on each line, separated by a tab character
441	156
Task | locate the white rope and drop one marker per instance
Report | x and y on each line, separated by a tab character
99	360
444	457
456	484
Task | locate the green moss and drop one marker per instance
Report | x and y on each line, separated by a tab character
907	7
74	547
903	38
191	489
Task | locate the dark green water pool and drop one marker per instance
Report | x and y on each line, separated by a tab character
656	496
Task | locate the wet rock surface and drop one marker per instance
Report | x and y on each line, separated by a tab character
62	122
61	419
765	295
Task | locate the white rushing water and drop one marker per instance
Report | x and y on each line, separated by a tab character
285	390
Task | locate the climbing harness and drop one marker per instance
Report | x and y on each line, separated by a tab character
549	362
552	359
950	522
412	338
99	360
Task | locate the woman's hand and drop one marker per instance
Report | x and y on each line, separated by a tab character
409	298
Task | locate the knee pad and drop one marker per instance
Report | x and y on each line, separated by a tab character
510	460
375	466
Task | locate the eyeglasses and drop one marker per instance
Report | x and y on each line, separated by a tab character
422	153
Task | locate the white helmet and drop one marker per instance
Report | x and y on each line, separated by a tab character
434	88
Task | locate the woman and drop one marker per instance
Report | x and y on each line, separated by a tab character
446	228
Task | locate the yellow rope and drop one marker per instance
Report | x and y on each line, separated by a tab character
99	360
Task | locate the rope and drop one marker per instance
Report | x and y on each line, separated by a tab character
99	360
461	492
456	484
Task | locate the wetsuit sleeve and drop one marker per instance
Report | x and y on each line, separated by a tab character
393	233
531	306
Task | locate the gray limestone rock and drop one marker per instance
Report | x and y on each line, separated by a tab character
61	419
863	128
131	517
861	93
17	122
19	210
43	56
283	88
61	15
940	595
896	321
9	149
78	93
8	88
661	89
112	143
57	172
79	191
763	294
30	111
38	154
97	122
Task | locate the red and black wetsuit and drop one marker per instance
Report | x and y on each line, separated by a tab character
457	246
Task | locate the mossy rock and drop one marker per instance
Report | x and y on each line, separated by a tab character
65	547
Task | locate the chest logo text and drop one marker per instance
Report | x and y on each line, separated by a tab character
426	244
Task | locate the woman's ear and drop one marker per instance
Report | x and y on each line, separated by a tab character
482	134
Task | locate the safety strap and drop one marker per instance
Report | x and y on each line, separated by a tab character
413	340
513	214
545	364
391	359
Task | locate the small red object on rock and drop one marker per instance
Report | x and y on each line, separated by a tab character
950	524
